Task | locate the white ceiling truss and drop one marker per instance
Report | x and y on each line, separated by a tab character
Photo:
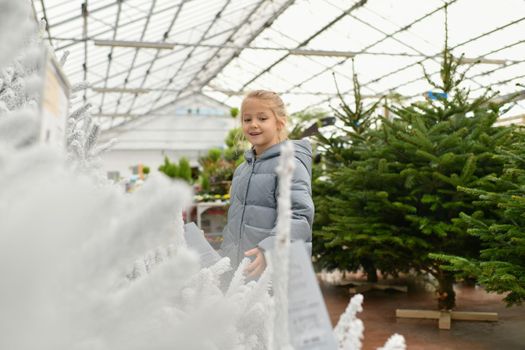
141	56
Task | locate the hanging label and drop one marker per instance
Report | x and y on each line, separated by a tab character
195	240
308	321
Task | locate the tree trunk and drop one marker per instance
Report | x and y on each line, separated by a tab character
446	294
370	269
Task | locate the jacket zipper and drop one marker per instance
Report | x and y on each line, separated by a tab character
243	210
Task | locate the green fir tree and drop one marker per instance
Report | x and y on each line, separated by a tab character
501	264
396	191
346	144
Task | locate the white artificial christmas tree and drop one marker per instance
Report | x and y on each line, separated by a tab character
349	329
86	266
14	14
279	257
395	342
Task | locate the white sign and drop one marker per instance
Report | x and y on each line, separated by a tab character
195	240
54	103
308	321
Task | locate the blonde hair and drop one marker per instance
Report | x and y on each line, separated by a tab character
276	106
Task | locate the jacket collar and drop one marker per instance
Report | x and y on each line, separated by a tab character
273	151
303	152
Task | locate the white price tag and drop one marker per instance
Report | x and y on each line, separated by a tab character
195	240
308	321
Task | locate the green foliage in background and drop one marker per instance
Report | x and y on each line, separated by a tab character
234	112
335	202
501	265
391	191
182	170
218	165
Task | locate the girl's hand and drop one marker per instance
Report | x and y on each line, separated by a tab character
257	266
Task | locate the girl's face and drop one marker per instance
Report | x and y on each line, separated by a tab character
259	124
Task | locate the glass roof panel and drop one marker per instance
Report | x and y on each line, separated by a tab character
227	41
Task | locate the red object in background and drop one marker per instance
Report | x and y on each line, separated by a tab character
192	217
216	211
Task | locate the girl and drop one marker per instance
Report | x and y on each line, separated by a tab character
253	204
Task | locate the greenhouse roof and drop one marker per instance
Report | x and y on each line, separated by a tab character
141	56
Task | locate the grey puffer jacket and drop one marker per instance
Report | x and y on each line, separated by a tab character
253	203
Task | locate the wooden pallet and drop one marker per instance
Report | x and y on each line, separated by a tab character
445	317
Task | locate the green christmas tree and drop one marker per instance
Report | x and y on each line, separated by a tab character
347	144
501	264
397	199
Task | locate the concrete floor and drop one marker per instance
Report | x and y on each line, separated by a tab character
380	322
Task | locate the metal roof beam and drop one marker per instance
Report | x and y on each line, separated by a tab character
189	55
481	60
157	54
45	19
105	31
516	117
372	45
511	63
84	11
148	19
220	68
450	49
159	57
110	55
212	89
298	52
117	2
253	35
120	90
419	61
141	65
509	98
134	44
406	45
305	42
114	115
